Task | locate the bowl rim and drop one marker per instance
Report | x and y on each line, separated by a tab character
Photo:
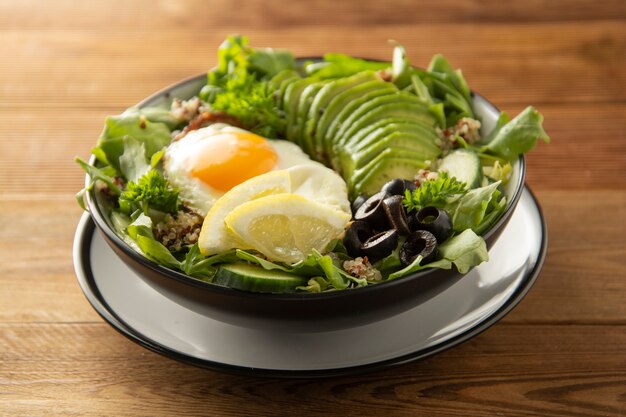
102	224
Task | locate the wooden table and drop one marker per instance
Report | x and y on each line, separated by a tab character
67	64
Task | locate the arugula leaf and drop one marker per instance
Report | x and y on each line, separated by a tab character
199	266
518	136
150	191
401	67
155	251
315	284
341	65
434	192
105	174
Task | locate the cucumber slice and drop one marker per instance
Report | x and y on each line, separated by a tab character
248	277
463	164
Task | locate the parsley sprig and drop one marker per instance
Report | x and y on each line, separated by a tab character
433	192
150	191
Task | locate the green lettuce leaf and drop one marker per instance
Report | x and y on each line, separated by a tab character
130	125
518	136
464	250
469	210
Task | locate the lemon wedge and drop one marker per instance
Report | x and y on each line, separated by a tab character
214	236
286	227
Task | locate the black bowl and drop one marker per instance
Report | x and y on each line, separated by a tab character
300	312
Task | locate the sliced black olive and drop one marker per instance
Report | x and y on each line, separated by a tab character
398	186
397	215
419	243
358	202
434	220
380	245
373	212
356	235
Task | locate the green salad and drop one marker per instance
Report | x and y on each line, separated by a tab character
284	175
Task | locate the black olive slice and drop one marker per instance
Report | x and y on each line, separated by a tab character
373	212
396	214
434	220
357	233
419	243
380	245
358	202
398	186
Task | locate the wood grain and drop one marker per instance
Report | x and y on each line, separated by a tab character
66	65
98	372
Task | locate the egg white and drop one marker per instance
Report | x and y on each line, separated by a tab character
195	193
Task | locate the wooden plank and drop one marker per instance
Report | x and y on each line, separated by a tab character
89	370
537	63
198	15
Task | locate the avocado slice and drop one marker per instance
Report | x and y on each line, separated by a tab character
291	103
282	87
394	109
306	99
322	101
345	117
383	168
341	105
383	127
414	141
370	111
389	153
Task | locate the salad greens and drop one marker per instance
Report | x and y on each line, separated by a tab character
247	85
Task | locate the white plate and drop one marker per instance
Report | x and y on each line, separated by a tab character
470	306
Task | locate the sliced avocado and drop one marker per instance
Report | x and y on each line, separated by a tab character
381	170
383	128
374	133
388	154
370	111
280	93
341	104
346	116
322	101
394	109
306	99
414	144
276	80
291	103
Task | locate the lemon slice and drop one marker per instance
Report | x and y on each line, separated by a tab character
320	184
286	227
214	236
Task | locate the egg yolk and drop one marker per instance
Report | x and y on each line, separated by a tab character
226	159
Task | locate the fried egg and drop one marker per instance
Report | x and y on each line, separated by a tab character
206	163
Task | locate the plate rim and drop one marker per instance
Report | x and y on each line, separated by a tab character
82	243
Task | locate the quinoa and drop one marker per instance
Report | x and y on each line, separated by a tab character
178	230
362	268
466	128
186	110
